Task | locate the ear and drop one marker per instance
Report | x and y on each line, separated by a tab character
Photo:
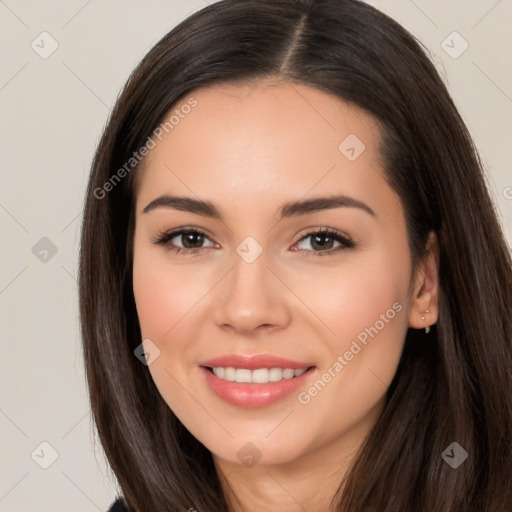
425	291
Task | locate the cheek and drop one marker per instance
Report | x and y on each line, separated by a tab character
354	298
154	300
365	306
163	294
168	298
165	297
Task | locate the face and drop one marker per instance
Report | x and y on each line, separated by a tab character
305	307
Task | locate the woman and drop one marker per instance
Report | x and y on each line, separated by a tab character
228	369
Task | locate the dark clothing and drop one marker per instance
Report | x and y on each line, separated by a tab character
118	506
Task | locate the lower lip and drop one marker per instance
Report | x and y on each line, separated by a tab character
244	394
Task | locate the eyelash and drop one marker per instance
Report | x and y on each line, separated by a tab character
164	238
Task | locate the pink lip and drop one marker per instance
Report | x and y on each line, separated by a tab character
253	395
254	362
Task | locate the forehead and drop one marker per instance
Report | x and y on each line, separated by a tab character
264	140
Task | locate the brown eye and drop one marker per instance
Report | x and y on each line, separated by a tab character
322	242
191	239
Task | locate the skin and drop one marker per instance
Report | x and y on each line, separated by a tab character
248	150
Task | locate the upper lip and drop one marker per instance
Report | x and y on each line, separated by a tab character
253	362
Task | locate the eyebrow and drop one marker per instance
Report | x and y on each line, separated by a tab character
290	209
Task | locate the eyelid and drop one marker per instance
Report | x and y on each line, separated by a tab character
345	241
163	237
322	229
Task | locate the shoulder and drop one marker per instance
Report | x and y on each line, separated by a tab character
118	506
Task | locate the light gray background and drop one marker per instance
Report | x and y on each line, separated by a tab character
53	110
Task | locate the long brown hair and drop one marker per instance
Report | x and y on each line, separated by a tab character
452	385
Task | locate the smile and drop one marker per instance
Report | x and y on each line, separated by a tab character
258	376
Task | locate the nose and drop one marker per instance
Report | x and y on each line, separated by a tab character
252	297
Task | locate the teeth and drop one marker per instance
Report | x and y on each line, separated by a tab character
229	374
243	375
259	376
276	374
288	373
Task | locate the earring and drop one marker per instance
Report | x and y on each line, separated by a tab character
427	329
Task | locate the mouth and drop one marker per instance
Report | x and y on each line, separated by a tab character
255	384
